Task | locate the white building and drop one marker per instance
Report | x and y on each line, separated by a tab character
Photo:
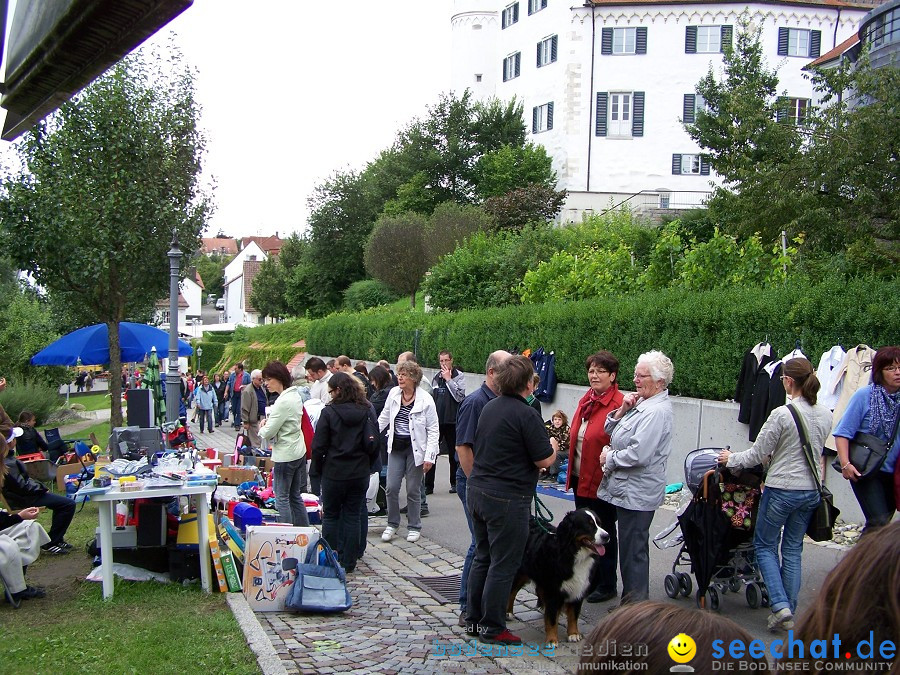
239	275
607	84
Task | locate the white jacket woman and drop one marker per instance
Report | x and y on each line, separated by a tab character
423	424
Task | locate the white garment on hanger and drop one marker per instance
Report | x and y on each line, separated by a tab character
771	366
761	350
827	372
796	354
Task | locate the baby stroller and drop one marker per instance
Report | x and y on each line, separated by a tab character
717	532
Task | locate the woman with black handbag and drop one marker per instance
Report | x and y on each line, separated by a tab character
791	492
870	423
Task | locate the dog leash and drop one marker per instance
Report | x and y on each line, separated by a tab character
542	515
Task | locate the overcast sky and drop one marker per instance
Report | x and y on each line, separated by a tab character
293	89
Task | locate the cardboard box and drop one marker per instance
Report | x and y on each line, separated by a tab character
235	475
262	463
66	470
267	579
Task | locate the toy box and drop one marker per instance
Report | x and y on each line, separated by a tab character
271	555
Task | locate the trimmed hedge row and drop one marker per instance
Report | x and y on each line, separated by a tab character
212	353
704	333
288	332
223	337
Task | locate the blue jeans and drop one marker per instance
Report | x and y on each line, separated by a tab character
790	510
875	495
290	484
500	522
343	503
63	511
470	554
236	411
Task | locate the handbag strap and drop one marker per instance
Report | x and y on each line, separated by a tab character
804	442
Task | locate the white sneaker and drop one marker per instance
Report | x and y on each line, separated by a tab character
783	619
413	535
388	533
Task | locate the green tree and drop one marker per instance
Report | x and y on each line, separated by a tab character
211	269
533	203
510	167
106	180
395	253
450	225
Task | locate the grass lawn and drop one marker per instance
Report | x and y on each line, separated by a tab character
146	628
98	401
101	429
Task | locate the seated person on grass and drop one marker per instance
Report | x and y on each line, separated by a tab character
21	490
31	440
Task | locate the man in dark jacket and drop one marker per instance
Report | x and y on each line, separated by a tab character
448	389
21	490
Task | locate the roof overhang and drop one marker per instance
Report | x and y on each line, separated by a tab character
57	47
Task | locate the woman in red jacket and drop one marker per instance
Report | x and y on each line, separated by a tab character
587	438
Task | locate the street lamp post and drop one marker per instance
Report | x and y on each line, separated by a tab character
173	383
199	356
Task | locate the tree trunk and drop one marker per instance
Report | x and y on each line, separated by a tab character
115	375
412	300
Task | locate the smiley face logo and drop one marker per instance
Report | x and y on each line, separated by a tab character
682	648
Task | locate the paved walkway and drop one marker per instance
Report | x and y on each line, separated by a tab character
396	627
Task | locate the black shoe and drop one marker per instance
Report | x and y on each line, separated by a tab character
54	549
600	595
404	509
429	490
29	593
65	545
11	599
424	511
471	628
452	489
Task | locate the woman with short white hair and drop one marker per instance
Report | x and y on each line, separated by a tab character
634	467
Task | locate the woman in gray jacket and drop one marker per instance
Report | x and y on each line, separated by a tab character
634	467
790	495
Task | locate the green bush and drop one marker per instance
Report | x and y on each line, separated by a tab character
40	398
704	332
223	337
212	353
288	332
367	293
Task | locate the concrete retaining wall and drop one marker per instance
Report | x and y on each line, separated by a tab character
698	423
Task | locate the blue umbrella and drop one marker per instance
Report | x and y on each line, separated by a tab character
91	345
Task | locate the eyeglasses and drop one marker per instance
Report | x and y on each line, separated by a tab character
892	369
598	371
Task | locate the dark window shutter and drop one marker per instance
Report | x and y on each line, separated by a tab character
637	114
539	44
503	67
543	4
518	62
550	115
727	32
606	39
704	165
515	12
676	164
690	40
534	119
602	112
781	109
503	19
782	41
529	8
815	43
640	42
690	104
553	49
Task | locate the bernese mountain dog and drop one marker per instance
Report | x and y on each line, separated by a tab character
559	563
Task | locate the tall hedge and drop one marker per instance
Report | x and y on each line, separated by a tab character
705	333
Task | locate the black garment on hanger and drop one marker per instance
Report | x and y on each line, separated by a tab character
747	381
768	394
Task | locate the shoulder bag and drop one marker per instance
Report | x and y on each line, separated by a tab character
821	525
868	452
319	588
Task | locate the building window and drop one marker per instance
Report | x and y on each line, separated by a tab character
623	40
709	39
511	66
689	165
792	110
546	51
693	104
542	118
478	77
510	15
799	42
884	30
620	114
536	6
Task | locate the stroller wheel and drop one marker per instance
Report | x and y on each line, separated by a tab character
754	595
673	587
765	596
734	585
684	581
710	600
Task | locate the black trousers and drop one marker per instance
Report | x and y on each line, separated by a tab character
447	444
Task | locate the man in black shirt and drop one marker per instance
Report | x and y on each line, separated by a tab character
448	389
511	445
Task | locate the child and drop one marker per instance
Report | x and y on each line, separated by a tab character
558	428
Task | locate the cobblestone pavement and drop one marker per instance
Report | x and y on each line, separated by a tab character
395	627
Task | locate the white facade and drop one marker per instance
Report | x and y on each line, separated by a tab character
603	166
234	286
193	293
